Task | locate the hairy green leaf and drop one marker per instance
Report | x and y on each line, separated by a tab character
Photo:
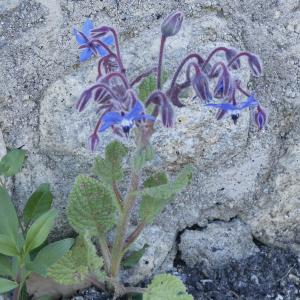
109	169
151	206
5	266
142	156
91	206
166	287
148	85
39	230
38	203
7	285
7	246
134	257
166	191
49	255
12	162
75	266
8	218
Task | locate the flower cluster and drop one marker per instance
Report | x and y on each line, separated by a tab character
118	105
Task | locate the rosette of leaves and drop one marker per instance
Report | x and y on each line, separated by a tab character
23	248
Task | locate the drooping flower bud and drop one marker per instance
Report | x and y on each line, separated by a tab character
172	24
201	87
255	65
167	114
260	117
230	54
83	100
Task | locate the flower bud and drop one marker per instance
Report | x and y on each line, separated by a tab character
230	54
83	100
260	117
201	87
255	65
167	114
172	24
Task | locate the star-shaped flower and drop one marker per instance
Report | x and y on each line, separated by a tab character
89	44
126	121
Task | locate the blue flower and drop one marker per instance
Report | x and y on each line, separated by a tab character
125	120
235	108
89	44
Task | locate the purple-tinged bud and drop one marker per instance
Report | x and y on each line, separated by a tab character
223	85
201	87
255	65
93	141
172	24
167	114
260	117
173	95
230	54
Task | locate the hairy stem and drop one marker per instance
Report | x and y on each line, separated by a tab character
182	64
117	251
212	54
142	76
118	50
237	57
159	67
133	236
105	253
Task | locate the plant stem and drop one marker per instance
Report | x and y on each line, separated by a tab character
186	59
212	54
159	67
105	253
118	194
117	251
133	236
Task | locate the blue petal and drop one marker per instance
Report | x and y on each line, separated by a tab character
87	27
225	106
108	40
102	52
112	117
105	126
79	38
144	117
135	112
250	102
85	55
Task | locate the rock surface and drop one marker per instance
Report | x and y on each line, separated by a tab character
239	172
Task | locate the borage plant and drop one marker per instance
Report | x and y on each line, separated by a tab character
96	206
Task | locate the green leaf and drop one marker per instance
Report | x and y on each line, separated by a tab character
12	162
7	246
142	156
39	230
49	255
9	223
131	260
38	203
148	85
166	191
151	206
77	264
91	207
110	168
7	285
5	266
166	287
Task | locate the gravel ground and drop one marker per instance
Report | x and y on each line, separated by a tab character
270	274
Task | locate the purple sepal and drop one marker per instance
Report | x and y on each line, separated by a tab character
255	65
260	117
201	87
167	114
93	141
